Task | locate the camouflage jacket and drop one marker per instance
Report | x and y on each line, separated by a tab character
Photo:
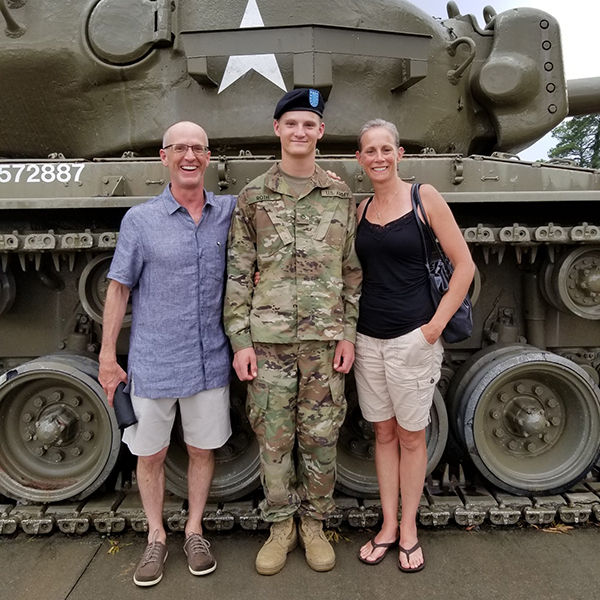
310	275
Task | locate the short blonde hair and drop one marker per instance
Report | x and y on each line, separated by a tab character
378	123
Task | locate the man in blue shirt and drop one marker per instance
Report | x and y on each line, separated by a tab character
170	257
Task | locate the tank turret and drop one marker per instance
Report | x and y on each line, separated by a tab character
96	79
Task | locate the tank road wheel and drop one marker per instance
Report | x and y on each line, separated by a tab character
237	463
93	285
456	399
58	438
475	287
437	431
529	419
546	286
573	283
356	473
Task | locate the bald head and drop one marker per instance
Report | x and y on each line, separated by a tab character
183	130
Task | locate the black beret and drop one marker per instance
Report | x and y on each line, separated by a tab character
301	99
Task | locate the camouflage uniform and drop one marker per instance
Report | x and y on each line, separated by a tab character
306	300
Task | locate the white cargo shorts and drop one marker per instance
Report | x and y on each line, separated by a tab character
397	377
204	418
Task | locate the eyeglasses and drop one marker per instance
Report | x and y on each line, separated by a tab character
197	149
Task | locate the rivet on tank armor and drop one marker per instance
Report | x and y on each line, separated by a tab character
57	456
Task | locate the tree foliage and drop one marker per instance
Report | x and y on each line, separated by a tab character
579	140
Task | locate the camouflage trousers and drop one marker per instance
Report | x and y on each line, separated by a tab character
297	400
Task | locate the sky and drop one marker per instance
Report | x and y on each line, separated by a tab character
579	21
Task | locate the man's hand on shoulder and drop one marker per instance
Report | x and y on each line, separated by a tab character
344	356
110	375
244	363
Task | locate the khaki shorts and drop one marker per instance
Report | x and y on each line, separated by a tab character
204	418
397	377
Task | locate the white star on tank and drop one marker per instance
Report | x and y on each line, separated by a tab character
264	64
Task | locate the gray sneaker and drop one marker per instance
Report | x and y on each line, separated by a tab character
197	550
150	568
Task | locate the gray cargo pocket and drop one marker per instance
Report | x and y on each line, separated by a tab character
338	414
256	406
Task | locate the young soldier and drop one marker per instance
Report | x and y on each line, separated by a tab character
293	335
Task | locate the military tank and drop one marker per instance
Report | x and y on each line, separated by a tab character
89	88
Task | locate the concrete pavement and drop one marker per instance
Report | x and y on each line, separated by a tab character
487	564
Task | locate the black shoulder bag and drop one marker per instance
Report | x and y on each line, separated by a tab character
460	326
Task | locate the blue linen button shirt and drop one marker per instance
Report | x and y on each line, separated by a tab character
175	270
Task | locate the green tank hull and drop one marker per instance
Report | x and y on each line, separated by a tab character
519	401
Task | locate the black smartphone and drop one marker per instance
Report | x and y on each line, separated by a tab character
123	407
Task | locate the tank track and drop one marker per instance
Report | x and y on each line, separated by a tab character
460	505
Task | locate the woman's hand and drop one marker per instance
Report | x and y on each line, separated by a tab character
431	332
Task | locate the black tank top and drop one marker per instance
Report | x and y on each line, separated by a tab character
395	290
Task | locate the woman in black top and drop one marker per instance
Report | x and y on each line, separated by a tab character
398	347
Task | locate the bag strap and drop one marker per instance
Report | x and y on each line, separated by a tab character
366	208
417	203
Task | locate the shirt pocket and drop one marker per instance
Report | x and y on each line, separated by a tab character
333	224
273	220
215	255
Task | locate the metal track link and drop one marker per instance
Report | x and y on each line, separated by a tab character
465	506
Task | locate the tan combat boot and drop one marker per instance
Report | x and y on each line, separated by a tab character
319	552
272	556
